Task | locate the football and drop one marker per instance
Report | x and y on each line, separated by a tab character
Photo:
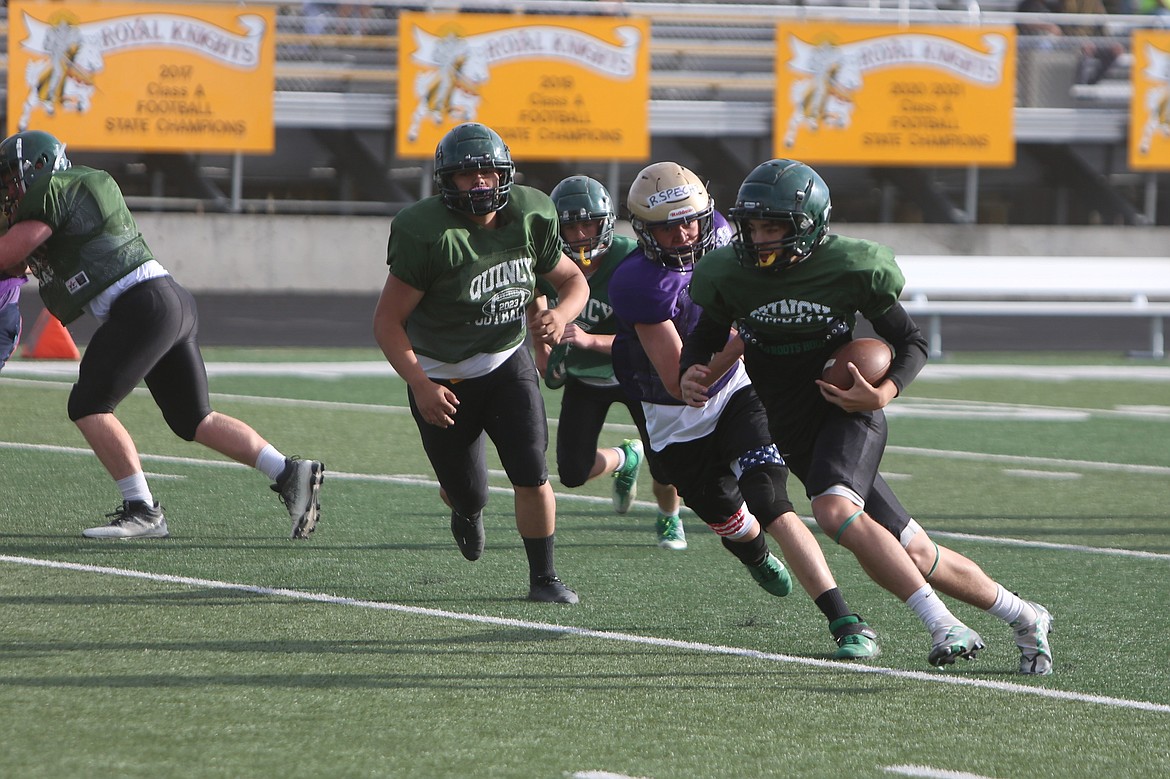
871	356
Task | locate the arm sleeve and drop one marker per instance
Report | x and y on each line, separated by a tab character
910	349
702	343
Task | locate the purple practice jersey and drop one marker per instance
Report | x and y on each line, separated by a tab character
9	289
644	291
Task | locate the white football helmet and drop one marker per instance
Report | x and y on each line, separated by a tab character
667	194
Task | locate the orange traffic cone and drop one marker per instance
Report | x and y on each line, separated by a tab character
49	341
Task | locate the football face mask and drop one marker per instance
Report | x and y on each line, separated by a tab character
781	214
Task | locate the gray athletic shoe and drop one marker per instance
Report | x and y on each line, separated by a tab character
550	589
952	642
299	489
1032	639
133	519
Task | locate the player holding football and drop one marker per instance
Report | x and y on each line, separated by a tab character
719	457
72	227
793	291
451	321
581	361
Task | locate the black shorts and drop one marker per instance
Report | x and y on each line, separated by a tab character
584	408
848	451
506	406
701	470
151	335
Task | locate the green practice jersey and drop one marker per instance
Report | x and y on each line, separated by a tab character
597	316
476	281
94	243
797	309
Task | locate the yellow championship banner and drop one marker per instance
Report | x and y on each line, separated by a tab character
890	95
553	87
143	77
1149	108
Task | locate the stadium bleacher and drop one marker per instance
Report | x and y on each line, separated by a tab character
713	67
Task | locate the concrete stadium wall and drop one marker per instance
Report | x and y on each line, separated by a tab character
281	253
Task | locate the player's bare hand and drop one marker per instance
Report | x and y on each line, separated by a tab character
693	385
436	404
546	326
575	335
862	396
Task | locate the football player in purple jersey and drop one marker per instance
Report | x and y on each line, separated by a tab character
719	456
451	321
793	291
10	321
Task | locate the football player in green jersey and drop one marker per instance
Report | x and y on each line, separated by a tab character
451	321
793	291
581	362
71	226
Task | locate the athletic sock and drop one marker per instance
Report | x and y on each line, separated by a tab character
540	556
930	609
1010	607
134	487
621	453
832	604
270	462
748	552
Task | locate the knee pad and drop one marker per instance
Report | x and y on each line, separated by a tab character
736	526
184	423
763	489
912	529
764	455
845	492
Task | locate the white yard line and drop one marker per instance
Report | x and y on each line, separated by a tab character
933	677
928	772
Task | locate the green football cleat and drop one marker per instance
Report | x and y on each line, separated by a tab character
772	576
670	533
625	479
855	639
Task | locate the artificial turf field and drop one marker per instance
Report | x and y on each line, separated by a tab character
374	649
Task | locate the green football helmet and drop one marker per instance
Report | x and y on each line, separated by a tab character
24	158
473	146
582	199
788	192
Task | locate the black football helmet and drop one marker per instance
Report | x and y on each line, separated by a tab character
788	192
473	146
582	199
666	194
26	157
